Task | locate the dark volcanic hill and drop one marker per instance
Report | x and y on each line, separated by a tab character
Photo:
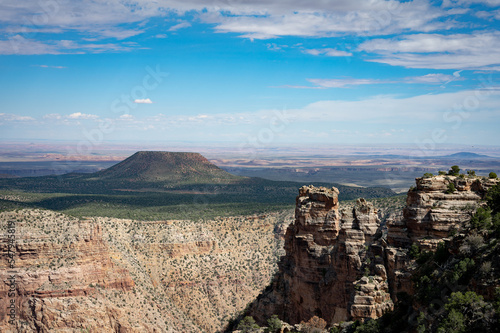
171	167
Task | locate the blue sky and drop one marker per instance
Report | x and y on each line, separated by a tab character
251	72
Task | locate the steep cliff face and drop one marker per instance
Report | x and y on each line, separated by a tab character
333	267
341	264
115	275
60	264
437	207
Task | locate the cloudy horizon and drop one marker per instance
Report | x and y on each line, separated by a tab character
370	71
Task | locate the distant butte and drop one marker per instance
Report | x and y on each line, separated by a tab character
167	166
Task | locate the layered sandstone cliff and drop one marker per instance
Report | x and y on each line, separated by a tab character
342	264
333	267
115	275
436	208
59	264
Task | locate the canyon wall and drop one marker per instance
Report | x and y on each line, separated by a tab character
116	275
436	208
333	267
342	264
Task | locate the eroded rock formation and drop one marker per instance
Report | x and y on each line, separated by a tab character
342	264
333	267
436	208
115	275
55	274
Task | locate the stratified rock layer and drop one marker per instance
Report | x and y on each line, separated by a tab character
341	264
433	210
58	273
115	275
436	208
333	267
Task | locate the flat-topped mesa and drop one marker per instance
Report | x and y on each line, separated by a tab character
435	207
333	267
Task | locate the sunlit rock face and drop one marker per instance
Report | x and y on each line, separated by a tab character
342	264
435	208
333	267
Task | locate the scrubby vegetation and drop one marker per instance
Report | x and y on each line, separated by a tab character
454	170
457	288
191	272
158	200
155	185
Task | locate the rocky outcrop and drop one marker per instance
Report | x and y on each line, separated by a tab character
342	264
333	267
435	209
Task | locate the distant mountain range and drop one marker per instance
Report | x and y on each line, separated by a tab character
457	156
466	155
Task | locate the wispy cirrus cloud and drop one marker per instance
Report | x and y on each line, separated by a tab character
343	83
116	33
49	66
386	110
9	117
438	78
23	46
477	50
181	25
250	18
319	19
433	78
381	109
327	52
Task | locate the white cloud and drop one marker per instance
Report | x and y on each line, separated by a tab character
321	19
275	47
23	29
391	109
55	116
455	51
50	66
79	115
78	15
382	115
328	52
434	78
20	45
8	117
342	83
23	46
143	101
449	3
250	18
178	26
115	33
